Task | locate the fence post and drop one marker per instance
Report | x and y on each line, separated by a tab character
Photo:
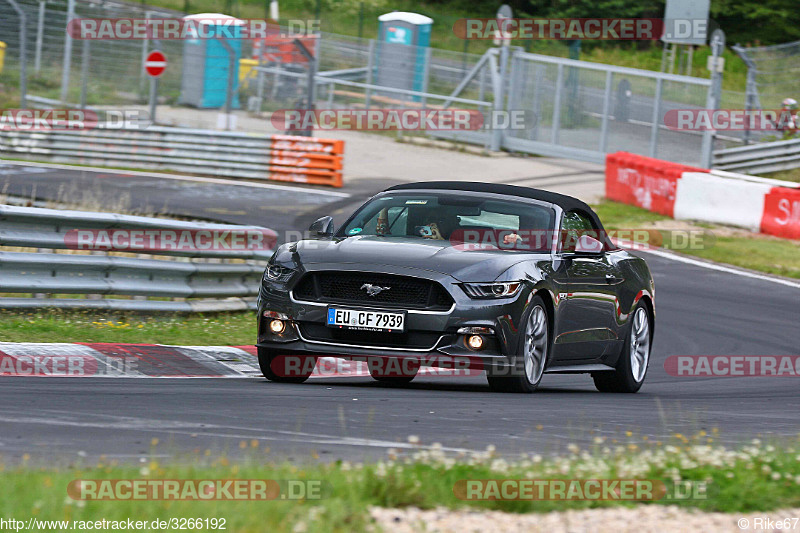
606	112
84	72
557	105
538	77
142	70
426	75
66	64
656	118
499	97
312	80
370	66
23	62
37	63
749	101
717	42
232	71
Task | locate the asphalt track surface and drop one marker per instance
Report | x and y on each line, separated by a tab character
700	311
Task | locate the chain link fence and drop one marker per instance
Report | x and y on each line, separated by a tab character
582	109
772	73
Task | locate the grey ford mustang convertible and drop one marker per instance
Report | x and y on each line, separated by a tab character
515	281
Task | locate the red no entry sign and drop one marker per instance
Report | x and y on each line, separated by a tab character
156	63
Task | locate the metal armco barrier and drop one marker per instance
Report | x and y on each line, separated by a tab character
760	158
206	277
237	155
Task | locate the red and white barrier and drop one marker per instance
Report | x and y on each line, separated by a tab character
689	193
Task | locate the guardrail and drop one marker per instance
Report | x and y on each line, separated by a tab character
760	158
202	279
231	154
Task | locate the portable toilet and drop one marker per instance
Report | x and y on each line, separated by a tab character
206	61
403	40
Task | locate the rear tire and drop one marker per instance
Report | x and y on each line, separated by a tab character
527	368
632	366
267	356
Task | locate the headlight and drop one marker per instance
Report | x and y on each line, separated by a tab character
278	274
492	290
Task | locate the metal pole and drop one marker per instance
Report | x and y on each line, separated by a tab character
499	98
749	101
67	53
360	22
370	66
312	75
145	48
23	62
606	112
425	75
656	118
229	89
84	72
557	105
153	99
37	63
539	76
717	43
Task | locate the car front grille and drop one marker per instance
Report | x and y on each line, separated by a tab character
409	340
349	288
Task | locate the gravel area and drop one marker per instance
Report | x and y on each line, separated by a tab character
641	519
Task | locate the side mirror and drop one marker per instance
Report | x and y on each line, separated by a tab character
322	227
588	246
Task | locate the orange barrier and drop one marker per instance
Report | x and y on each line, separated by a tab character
306	160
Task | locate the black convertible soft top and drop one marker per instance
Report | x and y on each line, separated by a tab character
567	203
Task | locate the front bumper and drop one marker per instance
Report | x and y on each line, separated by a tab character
429	334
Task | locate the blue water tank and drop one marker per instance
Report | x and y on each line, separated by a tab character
403	40
206	62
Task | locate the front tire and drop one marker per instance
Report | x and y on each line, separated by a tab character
534	350
268	360
635	359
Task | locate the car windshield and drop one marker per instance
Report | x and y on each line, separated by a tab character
457	218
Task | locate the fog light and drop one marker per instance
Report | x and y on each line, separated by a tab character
277	326
475	342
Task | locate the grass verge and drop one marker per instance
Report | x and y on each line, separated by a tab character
741	248
227	329
756	477
785	175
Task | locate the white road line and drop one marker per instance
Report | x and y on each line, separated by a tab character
713	266
181	177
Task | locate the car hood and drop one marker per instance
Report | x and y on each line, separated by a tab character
431	255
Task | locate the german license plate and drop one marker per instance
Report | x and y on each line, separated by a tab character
366	320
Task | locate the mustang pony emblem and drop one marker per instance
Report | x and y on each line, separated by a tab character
374	290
